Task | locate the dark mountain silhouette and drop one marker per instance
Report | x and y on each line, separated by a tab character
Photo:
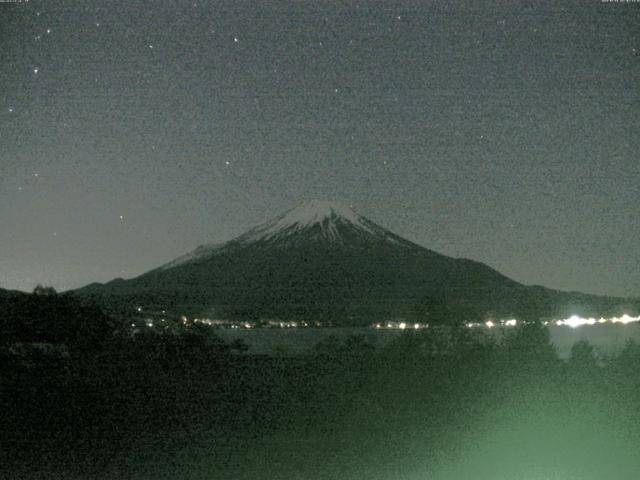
321	261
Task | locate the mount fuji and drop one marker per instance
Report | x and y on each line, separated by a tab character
322	261
314	222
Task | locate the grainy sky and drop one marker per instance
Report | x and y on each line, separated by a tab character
507	132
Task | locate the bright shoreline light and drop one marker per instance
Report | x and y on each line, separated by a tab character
576	321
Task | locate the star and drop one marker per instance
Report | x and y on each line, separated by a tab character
121	217
48	31
36	70
97	24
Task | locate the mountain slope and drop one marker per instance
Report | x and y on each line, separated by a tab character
322	261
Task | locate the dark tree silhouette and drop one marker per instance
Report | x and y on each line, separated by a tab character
44	291
583	355
48	317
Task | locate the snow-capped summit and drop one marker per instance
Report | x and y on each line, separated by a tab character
316	211
325	216
310	221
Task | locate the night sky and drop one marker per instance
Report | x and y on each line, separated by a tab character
507	132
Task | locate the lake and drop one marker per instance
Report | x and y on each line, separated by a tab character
606	338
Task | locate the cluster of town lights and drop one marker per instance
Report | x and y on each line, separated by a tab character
573	322
490	323
400	325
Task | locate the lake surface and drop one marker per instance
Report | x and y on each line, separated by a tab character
608	339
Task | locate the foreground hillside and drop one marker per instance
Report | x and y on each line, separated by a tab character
445	408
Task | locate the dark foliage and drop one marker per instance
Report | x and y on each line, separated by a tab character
183	404
48	317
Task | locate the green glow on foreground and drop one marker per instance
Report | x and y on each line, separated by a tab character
531	437
540	440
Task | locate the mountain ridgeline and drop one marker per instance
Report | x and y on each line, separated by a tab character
323	262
